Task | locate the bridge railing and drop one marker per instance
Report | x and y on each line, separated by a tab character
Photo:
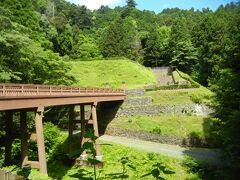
46	90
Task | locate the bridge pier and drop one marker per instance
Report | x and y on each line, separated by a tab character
38	136
70	127
24	137
9	137
83	129
96	133
94	123
40	140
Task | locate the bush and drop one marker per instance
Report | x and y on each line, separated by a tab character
156	130
202	95
1	157
192	165
203	170
188	78
51	135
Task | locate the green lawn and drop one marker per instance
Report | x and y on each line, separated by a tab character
143	162
170	97
177	77
112	153
186	96
99	72
180	126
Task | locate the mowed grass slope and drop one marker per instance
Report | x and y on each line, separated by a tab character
200	95
179	126
98	73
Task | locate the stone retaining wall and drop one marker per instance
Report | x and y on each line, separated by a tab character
190	141
135	92
138	101
151	110
137	110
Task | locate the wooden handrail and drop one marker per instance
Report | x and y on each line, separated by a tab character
7	89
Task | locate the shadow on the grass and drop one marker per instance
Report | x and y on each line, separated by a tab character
60	162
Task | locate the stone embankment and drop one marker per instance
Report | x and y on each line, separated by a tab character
190	141
137	103
163	75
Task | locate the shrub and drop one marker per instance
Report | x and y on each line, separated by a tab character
1	157
202	95
188	78
156	130
51	135
202	169
191	164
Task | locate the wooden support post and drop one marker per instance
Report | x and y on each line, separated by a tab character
40	140
95	127
83	123
83	129
70	127
24	137
9	138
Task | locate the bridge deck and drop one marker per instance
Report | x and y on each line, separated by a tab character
19	96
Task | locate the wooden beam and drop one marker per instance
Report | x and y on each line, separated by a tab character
40	140
34	164
95	127
70	127
11	104
32	136
24	137
8	138
90	121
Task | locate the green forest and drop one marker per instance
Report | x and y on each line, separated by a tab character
40	41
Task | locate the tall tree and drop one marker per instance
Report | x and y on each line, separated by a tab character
25	61
184	56
112	45
131	3
131	6
209	39
156	46
228	99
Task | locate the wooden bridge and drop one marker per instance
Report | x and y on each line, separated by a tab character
26	98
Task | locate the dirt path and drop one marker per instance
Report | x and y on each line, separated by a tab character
208	155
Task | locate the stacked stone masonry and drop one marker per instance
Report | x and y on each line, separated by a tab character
137	103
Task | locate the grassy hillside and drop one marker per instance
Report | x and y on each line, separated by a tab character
179	126
98	73
200	95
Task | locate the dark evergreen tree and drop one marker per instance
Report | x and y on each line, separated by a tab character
112	43
131	3
131	6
